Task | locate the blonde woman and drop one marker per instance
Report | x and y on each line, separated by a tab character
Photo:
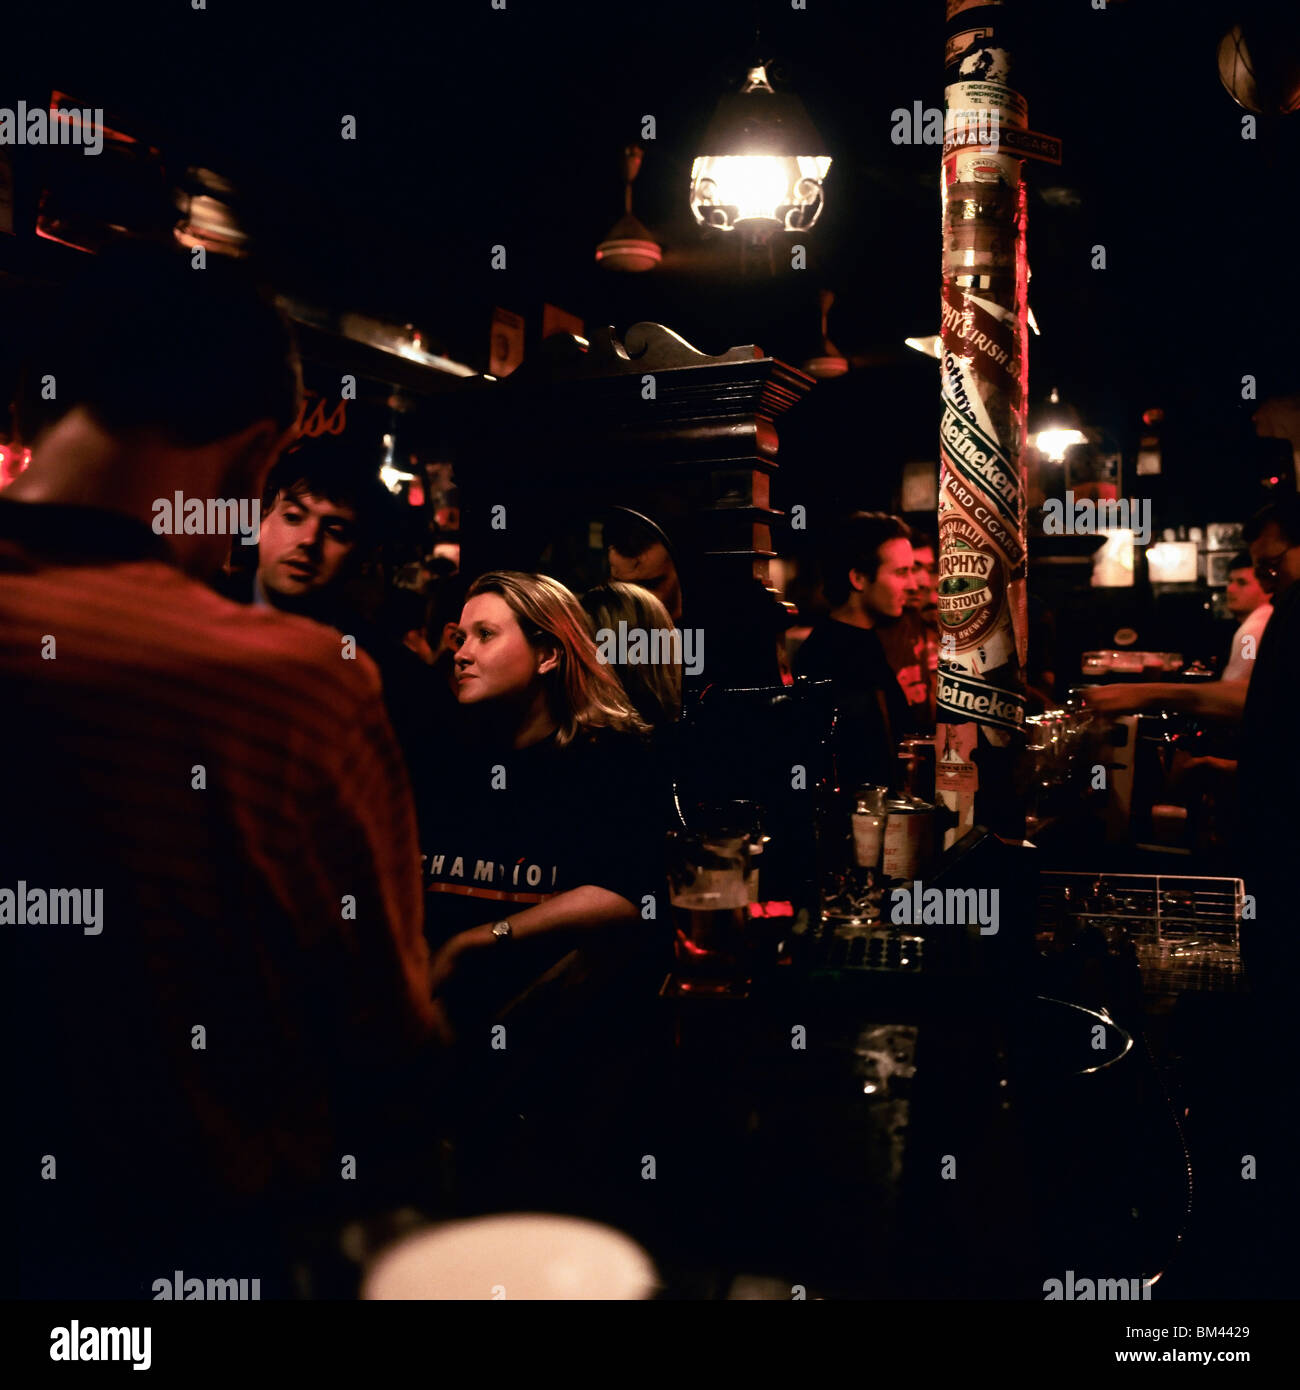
545	833
654	687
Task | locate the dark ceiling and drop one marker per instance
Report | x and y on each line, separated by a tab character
479	126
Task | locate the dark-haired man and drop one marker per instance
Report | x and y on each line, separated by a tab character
638	555
867	575
223	788
1247	601
911	642
324	514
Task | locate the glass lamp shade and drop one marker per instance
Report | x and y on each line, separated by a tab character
759	173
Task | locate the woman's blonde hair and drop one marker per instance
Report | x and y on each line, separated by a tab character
654	687
583	693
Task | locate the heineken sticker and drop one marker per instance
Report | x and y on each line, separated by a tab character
980	463
966	698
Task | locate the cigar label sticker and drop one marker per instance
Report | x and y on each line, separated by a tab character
964	698
956	496
1006	139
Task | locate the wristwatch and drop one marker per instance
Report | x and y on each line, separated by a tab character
501	930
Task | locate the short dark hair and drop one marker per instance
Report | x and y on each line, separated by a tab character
630	534
855	545
1241	561
1283	511
922	540
343	472
143	341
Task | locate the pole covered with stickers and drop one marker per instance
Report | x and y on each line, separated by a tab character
984	370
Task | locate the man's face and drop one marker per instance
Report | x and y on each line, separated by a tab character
1281	560
1244	592
305	544
653	569
925	579
886	594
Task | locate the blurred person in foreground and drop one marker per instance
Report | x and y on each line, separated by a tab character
548	836
211	785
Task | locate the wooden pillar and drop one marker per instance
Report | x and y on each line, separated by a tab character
647	423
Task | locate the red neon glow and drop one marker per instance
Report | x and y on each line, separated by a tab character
12	463
772	909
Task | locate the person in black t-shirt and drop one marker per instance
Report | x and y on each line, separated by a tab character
867	573
546	833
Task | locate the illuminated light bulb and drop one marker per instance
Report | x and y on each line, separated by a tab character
1054	443
759	175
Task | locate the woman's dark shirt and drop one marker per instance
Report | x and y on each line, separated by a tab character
506	829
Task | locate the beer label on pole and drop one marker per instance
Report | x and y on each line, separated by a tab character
990	339
985	167
972	586
964	698
980	463
955	495
959	389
